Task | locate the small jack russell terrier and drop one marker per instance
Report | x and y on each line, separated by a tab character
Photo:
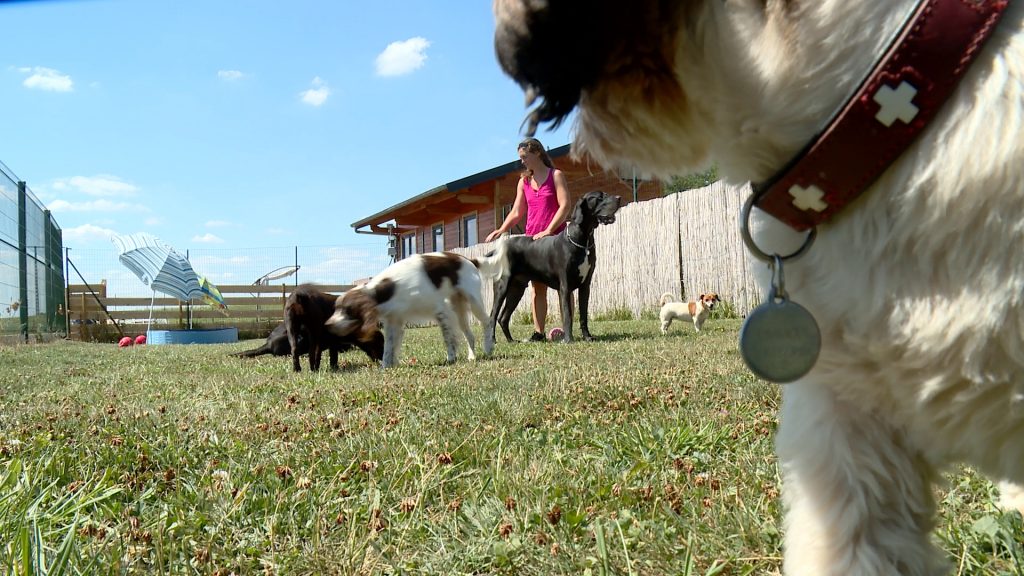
697	311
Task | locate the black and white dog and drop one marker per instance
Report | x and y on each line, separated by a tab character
564	262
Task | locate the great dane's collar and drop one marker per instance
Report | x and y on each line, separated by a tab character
895	103
568	235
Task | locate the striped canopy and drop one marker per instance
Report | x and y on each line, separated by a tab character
158	265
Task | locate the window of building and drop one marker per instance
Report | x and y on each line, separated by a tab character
408	245
438	232
469	230
518	228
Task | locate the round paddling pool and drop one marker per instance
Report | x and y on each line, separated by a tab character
195	336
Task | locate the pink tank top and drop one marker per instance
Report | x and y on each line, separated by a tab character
541	205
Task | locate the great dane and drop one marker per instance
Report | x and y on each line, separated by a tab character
564	262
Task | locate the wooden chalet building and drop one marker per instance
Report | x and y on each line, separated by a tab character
463	212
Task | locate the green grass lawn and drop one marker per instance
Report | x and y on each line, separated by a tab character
633	454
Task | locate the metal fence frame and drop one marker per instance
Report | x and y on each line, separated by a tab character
31	243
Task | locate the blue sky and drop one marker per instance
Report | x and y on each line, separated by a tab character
248	123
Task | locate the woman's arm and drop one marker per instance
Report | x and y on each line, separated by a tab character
513	216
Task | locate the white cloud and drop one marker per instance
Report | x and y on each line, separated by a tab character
277	231
218	224
230	75
402	57
208	239
101	205
47	79
86	233
153	221
99	185
316	95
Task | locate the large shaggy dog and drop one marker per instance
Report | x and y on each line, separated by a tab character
917	286
564	262
441	287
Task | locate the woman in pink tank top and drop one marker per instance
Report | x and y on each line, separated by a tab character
544	193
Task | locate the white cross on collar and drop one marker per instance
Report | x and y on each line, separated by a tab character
809	198
896	104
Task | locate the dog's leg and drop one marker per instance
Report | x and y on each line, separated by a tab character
565	306
513	294
477	307
858	500
293	328
460	305
315	350
583	294
393	332
1011	496
334	355
666	321
497	308
444	318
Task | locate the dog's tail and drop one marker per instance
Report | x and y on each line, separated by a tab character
494	264
666	298
264	349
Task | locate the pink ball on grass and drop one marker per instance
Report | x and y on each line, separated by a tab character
140	339
556	334
124	342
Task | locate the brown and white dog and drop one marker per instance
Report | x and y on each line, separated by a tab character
697	311
441	287
901	389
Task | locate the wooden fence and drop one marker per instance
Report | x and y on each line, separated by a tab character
254	310
686	244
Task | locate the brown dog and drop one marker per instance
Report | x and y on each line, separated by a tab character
305	315
277	345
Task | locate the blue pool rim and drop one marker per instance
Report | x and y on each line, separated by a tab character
194	336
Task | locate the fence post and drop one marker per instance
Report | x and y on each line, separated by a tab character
23	258
67	291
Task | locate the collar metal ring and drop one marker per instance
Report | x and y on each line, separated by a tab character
757	252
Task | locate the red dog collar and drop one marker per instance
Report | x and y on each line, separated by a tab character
895	103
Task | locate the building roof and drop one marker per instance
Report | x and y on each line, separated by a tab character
445	196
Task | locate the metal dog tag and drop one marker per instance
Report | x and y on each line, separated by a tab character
780	340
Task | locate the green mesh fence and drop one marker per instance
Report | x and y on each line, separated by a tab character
31	264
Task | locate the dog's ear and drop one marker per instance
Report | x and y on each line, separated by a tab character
341	325
371	324
578	217
355	316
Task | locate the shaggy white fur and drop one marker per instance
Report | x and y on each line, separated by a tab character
918	286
